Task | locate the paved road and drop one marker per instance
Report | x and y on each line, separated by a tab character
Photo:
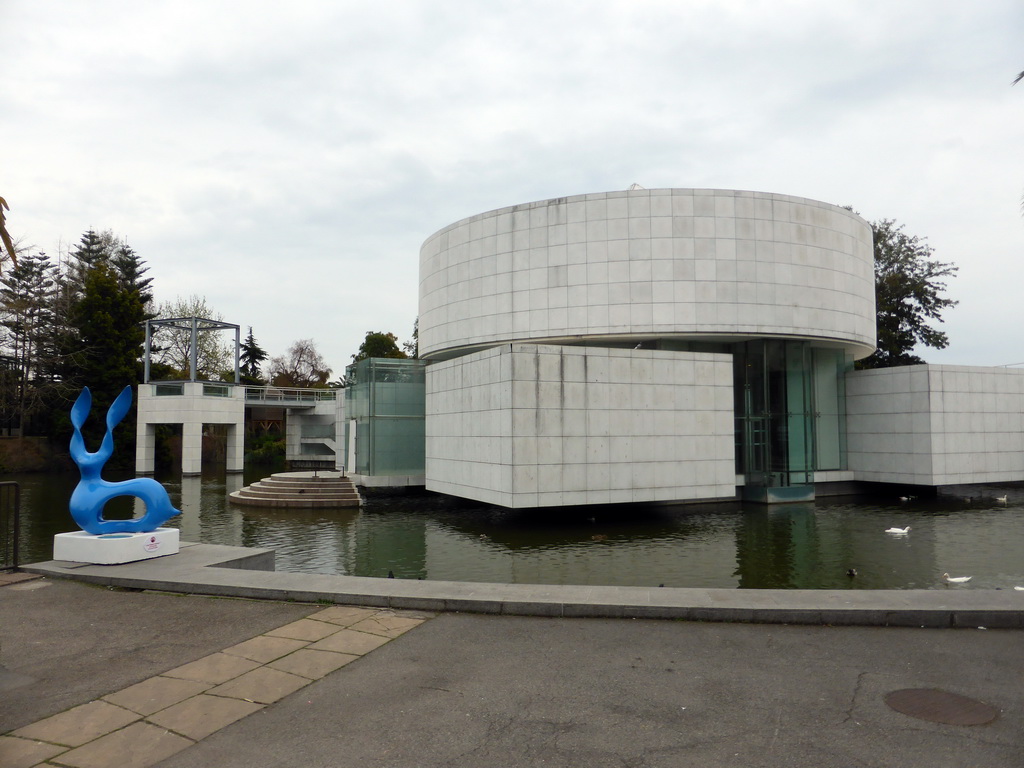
474	690
465	690
63	643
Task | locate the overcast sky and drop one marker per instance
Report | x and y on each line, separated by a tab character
286	161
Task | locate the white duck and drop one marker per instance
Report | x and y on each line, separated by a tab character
1001	499
956	579
898	530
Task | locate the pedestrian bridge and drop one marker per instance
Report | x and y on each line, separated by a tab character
313	432
276	397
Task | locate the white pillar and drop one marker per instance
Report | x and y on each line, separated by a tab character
145	448
192	448
191	498
235	451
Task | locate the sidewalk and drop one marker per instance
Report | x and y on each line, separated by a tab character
128	679
142	723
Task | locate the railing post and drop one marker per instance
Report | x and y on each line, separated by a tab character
14	528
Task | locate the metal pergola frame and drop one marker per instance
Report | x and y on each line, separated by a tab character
195	325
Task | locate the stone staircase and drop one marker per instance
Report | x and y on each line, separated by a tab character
310	490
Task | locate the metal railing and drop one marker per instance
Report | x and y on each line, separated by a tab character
10	525
216	390
173	389
274	395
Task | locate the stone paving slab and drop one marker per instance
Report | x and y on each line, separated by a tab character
79	724
147	722
199	716
155	694
15	577
304	629
24	753
66	643
263	685
263	649
350	641
312	664
140	745
214	669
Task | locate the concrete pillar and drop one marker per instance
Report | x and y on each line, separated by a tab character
191	497
145	448
235	452
192	448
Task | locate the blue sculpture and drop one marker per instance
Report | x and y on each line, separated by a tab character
93	492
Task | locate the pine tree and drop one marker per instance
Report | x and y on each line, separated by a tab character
250	356
109	320
26	298
131	269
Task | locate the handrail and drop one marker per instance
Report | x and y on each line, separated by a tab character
15	539
289	394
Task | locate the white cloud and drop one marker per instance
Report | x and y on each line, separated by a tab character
287	162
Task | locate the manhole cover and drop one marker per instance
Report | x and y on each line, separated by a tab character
941	706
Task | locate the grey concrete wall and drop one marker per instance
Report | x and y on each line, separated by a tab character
936	425
528	425
662	263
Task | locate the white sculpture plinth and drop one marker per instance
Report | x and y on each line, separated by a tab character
114	548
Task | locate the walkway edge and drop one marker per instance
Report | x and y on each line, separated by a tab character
217	570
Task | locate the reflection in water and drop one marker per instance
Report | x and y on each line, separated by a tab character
807	546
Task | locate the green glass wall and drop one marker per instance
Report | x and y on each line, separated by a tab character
829	381
790	410
386	399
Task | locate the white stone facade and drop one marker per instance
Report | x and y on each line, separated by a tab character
321	427
556	331
936	425
192	409
663	263
528	425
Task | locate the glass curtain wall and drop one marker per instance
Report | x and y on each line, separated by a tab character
386	398
775	413
829	374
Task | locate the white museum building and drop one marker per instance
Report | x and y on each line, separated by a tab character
663	345
683	345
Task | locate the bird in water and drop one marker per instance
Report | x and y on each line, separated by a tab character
852	573
898	530
955	579
1001	499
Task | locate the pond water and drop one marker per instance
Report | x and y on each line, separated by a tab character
423	535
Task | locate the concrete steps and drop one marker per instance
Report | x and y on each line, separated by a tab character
309	490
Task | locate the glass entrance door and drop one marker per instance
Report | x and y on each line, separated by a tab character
775	420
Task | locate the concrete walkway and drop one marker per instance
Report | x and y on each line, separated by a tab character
209	569
126	723
97	677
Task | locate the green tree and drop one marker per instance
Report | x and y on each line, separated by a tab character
909	285
302	366
5	237
250	356
412	346
108	320
26	294
130	269
378	344
91	250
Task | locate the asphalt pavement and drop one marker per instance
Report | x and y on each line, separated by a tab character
458	689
